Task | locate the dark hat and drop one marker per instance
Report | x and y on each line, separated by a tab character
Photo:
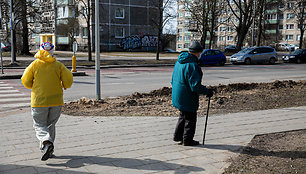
195	47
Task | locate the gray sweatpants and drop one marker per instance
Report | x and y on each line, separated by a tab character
44	119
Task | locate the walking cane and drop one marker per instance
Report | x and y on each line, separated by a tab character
206	120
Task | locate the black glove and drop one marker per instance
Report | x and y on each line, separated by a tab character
210	93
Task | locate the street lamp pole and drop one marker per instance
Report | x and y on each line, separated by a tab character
97	48
12	33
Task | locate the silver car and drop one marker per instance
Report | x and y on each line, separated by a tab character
261	54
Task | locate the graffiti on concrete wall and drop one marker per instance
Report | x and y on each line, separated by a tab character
149	41
130	43
138	42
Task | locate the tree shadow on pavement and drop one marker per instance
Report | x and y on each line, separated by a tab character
256	152
130	163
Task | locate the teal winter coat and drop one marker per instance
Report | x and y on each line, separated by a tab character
186	83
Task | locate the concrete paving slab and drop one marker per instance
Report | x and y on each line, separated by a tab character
137	144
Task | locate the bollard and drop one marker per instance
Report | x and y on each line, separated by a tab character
73	64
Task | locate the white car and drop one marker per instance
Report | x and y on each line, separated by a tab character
295	46
285	47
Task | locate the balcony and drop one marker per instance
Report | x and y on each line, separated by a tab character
271	11
271	21
65	2
270	31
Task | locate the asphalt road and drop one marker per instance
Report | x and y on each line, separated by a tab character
125	81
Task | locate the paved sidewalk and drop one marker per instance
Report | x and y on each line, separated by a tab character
136	144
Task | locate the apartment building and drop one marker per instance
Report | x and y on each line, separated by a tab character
125	25
280	26
128	25
184	36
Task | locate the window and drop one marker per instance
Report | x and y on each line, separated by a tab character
209	53
271	16
179	22
76	32
298	28
289	26
290	16
222	28
180	15
280	37
222	38
179	46
119	32
281	5
298	37
119	13
230	29
281	16
84	32
289	37
187	14
290	5
280	27
187	38
217	52
223	20
230	38
180	38
186	45
180	30
180	7
85	11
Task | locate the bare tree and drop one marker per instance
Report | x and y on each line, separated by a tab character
85	12
243	11
298	8
199	16
165	9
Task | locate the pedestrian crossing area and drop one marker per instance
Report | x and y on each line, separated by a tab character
11	98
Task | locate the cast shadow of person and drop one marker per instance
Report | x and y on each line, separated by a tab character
129	163
256	152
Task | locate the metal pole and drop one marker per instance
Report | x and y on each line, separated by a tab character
12	33
206	120
97	45
0	42
1	57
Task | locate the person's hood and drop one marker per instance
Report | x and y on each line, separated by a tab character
186	57
44	56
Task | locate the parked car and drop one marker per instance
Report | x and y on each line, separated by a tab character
231	49
212	56
297	56
263	54
284	47
296	46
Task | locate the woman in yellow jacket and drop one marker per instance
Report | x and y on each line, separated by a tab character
46	77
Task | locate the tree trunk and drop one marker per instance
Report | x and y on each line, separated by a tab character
89	33
301	38
261	4
160	27
157	49
213	9
25	33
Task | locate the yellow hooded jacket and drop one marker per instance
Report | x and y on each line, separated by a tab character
46	77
